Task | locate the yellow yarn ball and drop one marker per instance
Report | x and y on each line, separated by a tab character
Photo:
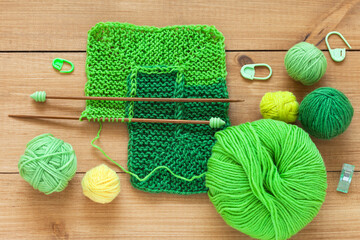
279	106
101	184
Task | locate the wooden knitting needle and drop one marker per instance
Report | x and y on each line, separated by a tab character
214	122
41	96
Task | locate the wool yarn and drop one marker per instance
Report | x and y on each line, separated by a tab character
266	178
279	106
325	113
48	163
305	63
101	184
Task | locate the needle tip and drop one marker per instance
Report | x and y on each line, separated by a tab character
39	96
216	122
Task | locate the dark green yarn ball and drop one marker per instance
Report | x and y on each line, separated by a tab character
325	113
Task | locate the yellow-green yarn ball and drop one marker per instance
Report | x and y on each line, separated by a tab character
101	184
305	63
279	106
48	163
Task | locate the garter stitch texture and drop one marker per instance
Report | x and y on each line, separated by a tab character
175	62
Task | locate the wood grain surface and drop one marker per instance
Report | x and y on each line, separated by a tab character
32	33
247	25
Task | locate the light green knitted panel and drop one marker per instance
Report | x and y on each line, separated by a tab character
114	49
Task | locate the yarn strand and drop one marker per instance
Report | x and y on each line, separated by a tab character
133	174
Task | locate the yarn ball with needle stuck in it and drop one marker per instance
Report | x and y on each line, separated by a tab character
279	106
325	113
266	178
305	63
101	184
48	163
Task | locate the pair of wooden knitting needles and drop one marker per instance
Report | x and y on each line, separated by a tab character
41	96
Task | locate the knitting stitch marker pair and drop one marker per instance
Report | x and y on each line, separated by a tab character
337	54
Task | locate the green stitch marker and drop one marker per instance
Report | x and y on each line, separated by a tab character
248	71
345	178
58	64
337	54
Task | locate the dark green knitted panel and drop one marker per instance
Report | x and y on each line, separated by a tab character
185	149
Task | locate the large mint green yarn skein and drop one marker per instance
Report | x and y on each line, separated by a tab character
266	178
325	113
305	63
48	163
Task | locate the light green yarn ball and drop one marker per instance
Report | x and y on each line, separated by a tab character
266	178
305	63
48	164
325	113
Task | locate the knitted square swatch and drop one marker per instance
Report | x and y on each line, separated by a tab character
175	62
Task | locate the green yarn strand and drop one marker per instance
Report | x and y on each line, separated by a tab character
133	174
305	63
266	178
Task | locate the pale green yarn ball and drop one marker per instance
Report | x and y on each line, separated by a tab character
266	178
48	163
305	63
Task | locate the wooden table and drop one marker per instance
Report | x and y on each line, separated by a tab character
32	33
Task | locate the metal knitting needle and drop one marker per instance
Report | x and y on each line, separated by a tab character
213	123
41	96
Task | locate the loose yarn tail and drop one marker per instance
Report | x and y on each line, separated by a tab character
133	174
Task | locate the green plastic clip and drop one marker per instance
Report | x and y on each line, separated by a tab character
345	178
337	54
248	71
59	62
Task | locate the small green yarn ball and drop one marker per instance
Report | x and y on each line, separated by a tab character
325	113
266	178
305	63
48	164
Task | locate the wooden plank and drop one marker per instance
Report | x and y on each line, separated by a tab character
28	214
262	25
329	22
23	74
